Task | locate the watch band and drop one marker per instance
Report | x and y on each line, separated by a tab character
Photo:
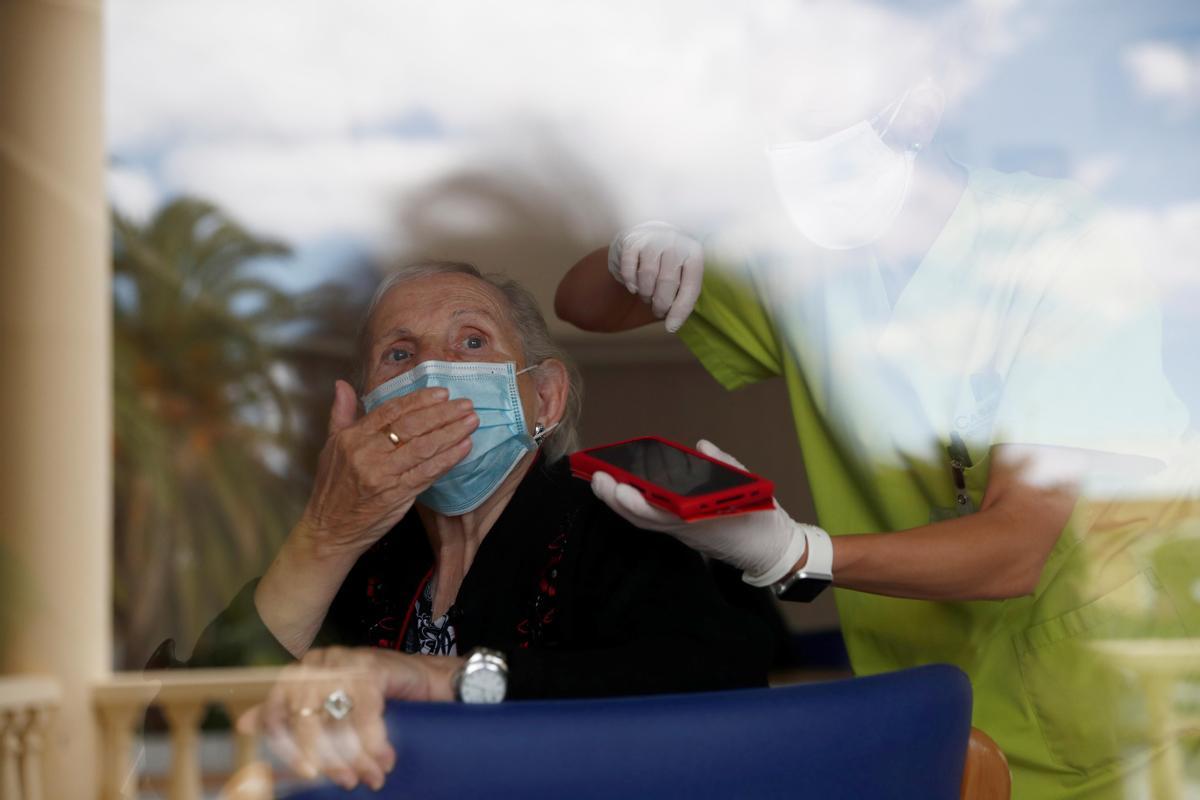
820	551
806	539
806	583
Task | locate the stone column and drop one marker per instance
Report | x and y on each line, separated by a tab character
55	369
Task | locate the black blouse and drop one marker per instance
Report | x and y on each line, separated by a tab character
582	603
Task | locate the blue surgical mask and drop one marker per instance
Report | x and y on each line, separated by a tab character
497	445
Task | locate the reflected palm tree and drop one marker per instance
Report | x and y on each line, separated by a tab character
213	369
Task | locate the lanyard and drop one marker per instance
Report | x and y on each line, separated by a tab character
960	461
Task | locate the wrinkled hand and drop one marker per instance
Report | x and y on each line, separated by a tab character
764	544
364	482
662	265
303	734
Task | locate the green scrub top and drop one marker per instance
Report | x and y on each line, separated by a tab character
1022	324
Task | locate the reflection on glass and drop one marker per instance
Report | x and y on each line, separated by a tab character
968	224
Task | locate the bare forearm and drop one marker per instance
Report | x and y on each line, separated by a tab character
980	557
589	298
294	595
994	554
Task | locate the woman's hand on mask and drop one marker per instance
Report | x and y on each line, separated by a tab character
662	265
355	749
365	483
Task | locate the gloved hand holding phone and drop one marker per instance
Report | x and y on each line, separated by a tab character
766	545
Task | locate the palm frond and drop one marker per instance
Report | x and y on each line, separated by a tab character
203	413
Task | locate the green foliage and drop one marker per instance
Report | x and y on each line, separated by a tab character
213	419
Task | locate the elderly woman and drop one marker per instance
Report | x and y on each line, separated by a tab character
447	553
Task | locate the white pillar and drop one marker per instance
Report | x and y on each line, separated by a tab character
55	369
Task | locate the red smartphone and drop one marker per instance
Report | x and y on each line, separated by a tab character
677	478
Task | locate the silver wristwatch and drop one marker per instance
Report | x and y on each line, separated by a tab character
483	678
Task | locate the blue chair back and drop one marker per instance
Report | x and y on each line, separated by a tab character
899	736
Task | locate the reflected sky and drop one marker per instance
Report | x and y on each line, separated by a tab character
314	122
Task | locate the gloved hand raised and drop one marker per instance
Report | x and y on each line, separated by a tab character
662	265
764	544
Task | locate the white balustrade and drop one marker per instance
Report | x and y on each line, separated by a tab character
26	706
184	696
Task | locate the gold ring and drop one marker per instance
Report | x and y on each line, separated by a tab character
393	438
304	712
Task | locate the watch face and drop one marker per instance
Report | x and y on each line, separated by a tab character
485	684
804	590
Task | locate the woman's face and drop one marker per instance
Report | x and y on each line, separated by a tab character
450	317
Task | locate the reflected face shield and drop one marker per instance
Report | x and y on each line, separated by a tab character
844	190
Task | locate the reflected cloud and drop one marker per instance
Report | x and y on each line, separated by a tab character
134	191
1165	71
310	189
300	116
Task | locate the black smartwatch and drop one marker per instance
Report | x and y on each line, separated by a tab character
803	585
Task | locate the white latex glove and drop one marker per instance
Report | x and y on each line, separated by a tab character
662	265
764	544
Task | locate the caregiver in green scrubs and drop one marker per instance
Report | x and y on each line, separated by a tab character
975	376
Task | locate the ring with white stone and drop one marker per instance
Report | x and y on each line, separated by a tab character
338	704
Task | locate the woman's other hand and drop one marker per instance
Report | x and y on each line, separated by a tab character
324	716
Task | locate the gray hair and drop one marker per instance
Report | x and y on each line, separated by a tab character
536	343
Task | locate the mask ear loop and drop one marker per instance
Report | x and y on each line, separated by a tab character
540	431
898	104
